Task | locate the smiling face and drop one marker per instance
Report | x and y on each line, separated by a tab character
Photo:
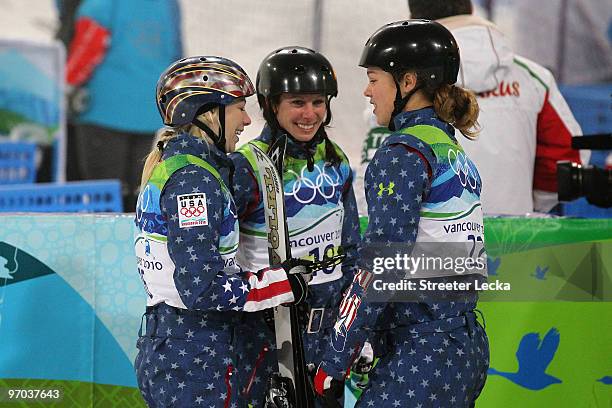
236	118
381	91
301	114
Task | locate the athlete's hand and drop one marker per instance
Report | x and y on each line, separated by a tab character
300	271
298	275
363	364
307	268
296	266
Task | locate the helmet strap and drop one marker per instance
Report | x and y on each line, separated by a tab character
400	103
219	140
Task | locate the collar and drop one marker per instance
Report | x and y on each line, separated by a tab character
423	116
185	143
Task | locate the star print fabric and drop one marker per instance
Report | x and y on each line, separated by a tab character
198	293
255	342
196	260
432	354
426	369
396	180
184	359
200	276
321	203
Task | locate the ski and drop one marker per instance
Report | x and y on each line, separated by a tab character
290	387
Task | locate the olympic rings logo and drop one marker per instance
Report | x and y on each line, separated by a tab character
461	167
324	179
192	211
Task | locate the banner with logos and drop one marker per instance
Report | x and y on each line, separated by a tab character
71	303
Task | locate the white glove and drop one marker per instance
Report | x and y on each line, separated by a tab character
363	364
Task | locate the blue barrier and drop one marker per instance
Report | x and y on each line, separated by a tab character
17	162
77	196
591	106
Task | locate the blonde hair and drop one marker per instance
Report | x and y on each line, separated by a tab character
210	118
459	107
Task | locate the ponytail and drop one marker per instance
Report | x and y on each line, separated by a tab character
155	155
458	107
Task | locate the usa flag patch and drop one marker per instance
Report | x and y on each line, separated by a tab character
192	210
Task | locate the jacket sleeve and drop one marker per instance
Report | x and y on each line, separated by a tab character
246	186
555	127
87	50
350	227
92	37
200	277
396	181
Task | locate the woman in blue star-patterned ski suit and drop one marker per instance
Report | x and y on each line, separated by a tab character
294	88
420	187
187	240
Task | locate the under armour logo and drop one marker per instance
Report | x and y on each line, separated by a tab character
389	189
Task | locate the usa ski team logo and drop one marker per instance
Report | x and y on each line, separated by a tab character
192	210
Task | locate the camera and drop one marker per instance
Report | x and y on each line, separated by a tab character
591	182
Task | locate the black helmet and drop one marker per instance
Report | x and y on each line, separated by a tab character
422	45
295	70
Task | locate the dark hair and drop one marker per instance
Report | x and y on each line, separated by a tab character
436	9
